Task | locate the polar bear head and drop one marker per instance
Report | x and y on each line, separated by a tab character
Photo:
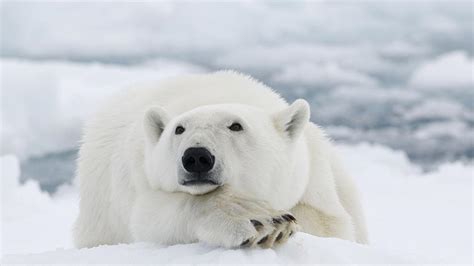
226	144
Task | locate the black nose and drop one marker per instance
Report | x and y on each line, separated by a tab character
197	160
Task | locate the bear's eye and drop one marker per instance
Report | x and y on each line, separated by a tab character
236	127
179	130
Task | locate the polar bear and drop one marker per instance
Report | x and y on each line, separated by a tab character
218	158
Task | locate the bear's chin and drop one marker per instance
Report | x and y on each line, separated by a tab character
199	189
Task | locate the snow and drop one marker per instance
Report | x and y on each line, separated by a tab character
303	248
449	71
412	216
32	221
425	216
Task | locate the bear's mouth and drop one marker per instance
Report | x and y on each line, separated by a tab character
199	182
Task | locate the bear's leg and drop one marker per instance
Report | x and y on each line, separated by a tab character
328	207
217	218
316	222
94	227
350	200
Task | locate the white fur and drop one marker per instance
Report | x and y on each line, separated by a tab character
130	163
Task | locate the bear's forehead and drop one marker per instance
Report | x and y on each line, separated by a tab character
218	113
209	117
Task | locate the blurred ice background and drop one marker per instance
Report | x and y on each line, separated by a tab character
397	75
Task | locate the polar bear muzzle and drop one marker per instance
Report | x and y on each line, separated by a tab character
198	160
198	163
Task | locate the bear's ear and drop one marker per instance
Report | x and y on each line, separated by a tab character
154	123
292	120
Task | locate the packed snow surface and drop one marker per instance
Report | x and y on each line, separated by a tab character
303	248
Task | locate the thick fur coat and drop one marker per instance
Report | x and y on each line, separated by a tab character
268	164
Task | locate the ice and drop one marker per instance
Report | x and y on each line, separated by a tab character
403	50
451	71
437	109
444	129
144	29
329	75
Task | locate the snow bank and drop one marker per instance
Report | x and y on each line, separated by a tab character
32	221
451	71
412	217
303	248
425	216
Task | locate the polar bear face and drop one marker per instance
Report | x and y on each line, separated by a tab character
226	144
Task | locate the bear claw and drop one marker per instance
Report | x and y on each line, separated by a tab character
277	220
272	232
245	242
263	240
289	217
256	224
280	235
